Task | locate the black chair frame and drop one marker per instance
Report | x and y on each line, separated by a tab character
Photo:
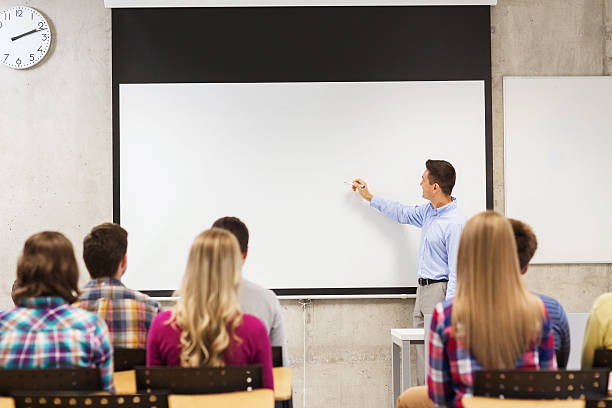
50	379
200	380
535	384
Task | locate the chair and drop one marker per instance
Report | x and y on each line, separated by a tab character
534	384
601	403
602	358
199	380
483	402
261	398
277	356
127	359
50	379
47	399
283	393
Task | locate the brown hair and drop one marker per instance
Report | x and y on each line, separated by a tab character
442	173
489	286
103	249
236	227
526	242
47	267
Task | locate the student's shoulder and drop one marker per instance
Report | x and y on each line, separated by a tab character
80	318
602	306
552	305
252	325
250	290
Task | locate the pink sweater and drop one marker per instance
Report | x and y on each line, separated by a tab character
163	345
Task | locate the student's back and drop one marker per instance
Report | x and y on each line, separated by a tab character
255	299
44	330
128	313
598	330
493	322
206	326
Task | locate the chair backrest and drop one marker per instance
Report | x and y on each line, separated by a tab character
50	379
277	356
577	324
199	380
602	358
64	399
534	384
598	403
128	359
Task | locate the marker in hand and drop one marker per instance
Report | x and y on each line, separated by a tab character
354	185
361	186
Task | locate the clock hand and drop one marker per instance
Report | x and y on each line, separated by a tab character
28	33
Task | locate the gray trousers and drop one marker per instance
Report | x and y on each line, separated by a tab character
428	296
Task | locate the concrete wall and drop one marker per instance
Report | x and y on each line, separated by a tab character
55	146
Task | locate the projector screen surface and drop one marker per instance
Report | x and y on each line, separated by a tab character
558	142
277	155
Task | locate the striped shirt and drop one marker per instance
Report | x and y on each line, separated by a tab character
451	367
128	313
46	332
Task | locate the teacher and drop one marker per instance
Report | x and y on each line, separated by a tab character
441	222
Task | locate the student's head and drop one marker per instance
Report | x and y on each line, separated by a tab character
104	250
489	288
47	267
526	242
236	227
208	294
438	179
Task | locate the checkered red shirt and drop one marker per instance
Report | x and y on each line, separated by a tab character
128	313
451	367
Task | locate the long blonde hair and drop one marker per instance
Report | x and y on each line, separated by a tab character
493	315
207	310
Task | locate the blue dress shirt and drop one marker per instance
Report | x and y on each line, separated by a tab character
439	239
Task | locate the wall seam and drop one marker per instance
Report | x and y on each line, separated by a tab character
604	32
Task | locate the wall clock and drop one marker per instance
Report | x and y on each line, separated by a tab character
25	37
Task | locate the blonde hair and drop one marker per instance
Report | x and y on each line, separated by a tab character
208	311
493	314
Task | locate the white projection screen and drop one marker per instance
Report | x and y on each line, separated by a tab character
277	155
558	143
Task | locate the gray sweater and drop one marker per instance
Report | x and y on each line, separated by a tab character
263	304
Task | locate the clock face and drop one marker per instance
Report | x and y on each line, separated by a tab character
25	37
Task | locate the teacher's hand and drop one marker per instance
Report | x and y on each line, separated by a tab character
362	187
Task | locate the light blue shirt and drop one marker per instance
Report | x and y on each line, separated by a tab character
439	239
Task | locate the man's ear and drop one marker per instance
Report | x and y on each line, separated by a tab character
244	254
524	271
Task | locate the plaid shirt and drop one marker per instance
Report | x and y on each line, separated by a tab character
46	332
128	313
451	366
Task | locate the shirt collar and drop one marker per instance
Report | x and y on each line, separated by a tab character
43	302
445	208
104	282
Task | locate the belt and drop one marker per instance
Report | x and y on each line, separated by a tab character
425	282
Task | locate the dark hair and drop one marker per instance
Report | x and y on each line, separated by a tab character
442	173
103	249
526	242
236	227
47	267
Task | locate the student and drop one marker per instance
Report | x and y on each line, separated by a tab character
128	313
493	322
598	330
526	245
441	222
255	299
44	330
206	327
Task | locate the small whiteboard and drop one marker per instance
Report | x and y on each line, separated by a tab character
277	156
558	166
